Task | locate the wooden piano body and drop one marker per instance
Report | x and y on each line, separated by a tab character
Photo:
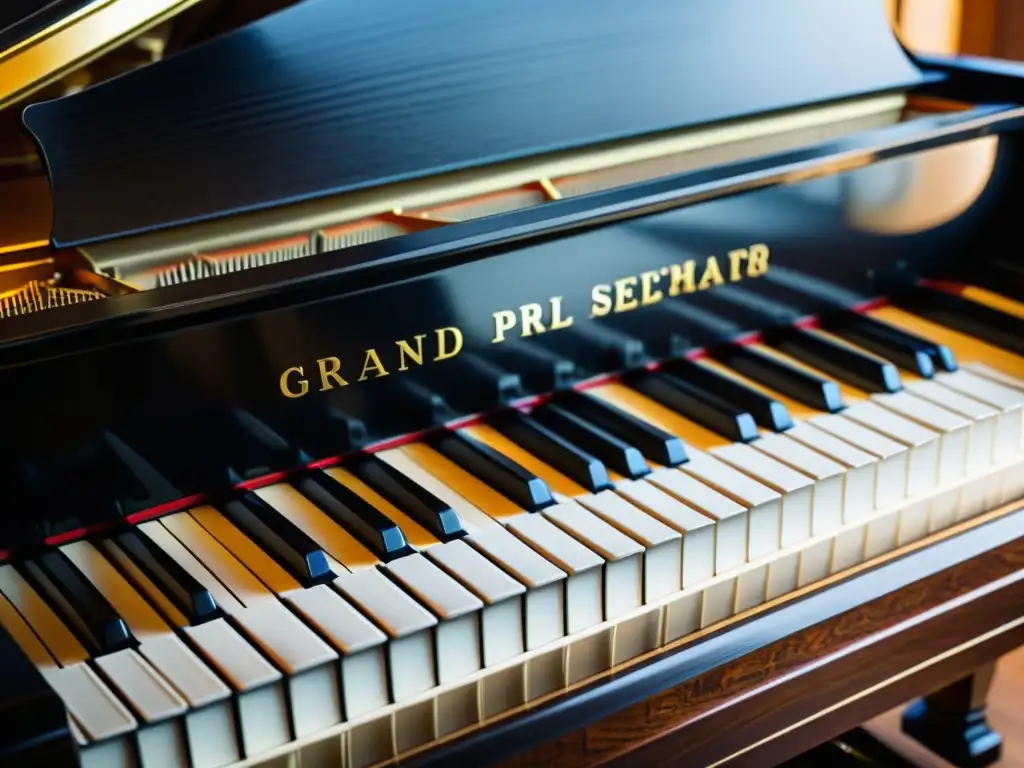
645	182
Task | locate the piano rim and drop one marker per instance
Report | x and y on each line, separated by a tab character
331	275
532	727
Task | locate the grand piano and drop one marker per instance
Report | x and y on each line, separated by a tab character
430	384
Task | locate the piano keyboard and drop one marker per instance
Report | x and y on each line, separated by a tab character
355	613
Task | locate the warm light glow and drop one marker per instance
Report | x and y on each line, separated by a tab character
931	26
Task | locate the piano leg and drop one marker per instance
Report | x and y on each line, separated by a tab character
951	722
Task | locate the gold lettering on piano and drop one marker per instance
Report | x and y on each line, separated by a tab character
690	276
375	363
530	319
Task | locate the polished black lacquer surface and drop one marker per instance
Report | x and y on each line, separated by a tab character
333	95
304	361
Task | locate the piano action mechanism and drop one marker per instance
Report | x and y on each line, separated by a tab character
547	384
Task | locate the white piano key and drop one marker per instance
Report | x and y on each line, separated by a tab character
730	518
262	706
407	623
364	681
698	531
623	570
663	546
861	468
983	418
100	714
893	461
953	430
764	506
828	477
162	740
97	710
923	463
544	606
796	488
1010	403
584	592
210	725
457	609
992	374
57	638
307	661
502	620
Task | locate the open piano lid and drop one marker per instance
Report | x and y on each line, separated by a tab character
43	40
330	96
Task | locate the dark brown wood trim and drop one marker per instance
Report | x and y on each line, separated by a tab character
796	677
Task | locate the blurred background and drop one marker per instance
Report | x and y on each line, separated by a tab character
975	27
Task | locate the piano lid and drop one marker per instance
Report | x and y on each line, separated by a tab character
43	40
329	96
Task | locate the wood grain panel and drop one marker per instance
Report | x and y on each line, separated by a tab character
797	677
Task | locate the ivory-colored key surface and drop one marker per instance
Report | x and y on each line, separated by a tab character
893	458
624	566
953	429
278	631
1009	402
923	463
341	545
730	518
99	712
545	582
458	632
698	531
764	506
477	573
233	656
795	487
861	467
437	590
151	696
391	608
502	618
663	555
828	476
157	642
346	628
982	417
988	372
584	594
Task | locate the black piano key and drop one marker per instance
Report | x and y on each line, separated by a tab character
978	320
657	445
768	412
416	501
906	350
498	471
696	405
280	538
179	586
617	454
353	513
782	377
79	603
572	461
845	363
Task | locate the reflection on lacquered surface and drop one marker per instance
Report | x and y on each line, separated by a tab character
920	192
